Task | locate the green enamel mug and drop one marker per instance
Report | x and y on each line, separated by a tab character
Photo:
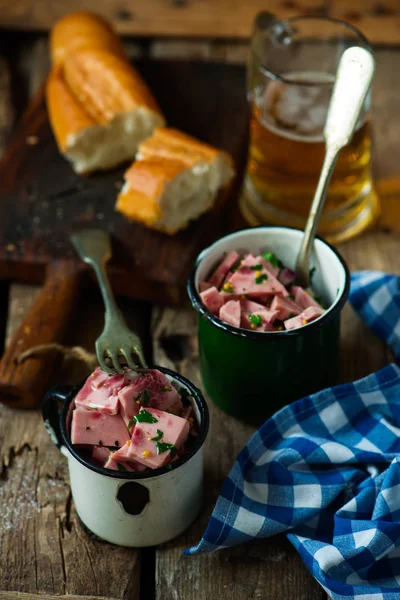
251	374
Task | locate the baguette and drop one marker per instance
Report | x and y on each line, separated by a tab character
174	179
83	31
99	106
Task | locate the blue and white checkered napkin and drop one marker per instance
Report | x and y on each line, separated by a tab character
326	470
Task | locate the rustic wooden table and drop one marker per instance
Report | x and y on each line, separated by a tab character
44	549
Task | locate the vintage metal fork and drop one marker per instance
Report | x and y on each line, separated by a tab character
116	340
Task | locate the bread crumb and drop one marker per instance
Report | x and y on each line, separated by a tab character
32	140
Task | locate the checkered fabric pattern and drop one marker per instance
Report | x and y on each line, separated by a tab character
376	297
326	470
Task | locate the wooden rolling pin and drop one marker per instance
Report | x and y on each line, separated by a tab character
22	385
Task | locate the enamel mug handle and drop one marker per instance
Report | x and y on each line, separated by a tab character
51	414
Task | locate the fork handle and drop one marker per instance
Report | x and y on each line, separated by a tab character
113	316
94	248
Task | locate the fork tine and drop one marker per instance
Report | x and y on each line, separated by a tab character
100	353
114	359
103	365
127	354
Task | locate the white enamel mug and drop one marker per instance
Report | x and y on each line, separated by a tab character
124	508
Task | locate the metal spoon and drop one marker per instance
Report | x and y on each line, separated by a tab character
93	246
353	80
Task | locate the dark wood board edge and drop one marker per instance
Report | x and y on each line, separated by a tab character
217	220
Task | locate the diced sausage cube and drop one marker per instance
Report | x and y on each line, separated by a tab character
117	466
97	429
268	317
221	271
250	260
152	389
310	314
121	458
245	280
100	391
302	298
230	313
287	276
212	300
286	307
100	455
168	429
250	307
128	405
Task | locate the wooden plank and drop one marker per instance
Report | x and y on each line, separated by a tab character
370	17
38	523
22	596
216	51
386	136
6	109
263	569
6	124
378	19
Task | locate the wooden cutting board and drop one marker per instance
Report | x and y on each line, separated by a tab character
42	201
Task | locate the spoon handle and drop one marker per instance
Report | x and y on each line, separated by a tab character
353	80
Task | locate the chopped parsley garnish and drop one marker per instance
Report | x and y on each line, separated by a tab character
273	259
142	417
166	388
255	320
138	396
158	437
121	467
311	273
256	267
92	407
164	447
146	397
261	278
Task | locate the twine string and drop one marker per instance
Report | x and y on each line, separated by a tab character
73	353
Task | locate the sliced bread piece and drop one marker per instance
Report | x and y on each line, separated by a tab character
174	180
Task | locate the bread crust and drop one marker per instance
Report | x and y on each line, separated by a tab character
81	31
171	144
66	115
106	85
